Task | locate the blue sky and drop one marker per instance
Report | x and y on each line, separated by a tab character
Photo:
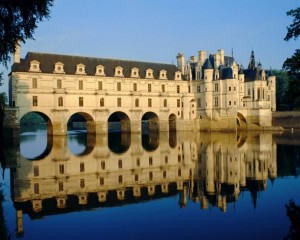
157	30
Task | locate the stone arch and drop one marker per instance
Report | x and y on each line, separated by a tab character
150	122
119	122
82	121
48	144
241	121
172	122
150	131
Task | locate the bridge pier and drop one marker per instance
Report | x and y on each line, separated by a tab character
136	126
58	129
101	127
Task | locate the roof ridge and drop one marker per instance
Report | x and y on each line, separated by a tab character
110	59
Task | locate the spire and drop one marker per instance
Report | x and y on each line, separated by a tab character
252	61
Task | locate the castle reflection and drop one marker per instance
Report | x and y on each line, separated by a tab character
211	169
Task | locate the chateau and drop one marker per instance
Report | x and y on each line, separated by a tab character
211	93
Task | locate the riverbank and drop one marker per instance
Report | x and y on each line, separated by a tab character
286	119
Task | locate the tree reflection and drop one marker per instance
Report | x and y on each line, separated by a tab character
293	212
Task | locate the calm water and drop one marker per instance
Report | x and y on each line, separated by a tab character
156	186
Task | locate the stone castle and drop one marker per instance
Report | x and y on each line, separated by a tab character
210	93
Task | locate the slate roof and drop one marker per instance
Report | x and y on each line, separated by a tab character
252	74
47	62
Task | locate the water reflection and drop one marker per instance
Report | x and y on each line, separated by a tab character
212	168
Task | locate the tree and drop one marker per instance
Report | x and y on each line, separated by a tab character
18	20
292	64
282	84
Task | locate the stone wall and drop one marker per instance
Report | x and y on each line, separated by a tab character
11	118
288	119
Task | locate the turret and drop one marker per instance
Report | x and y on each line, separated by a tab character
217	60
208	71
180	62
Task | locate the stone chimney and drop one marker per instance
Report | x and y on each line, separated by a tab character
180	62
17	53
202	56
221	53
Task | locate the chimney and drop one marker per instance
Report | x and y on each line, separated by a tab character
221	53
202	57
17	56
180	62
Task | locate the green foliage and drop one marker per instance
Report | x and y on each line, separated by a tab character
293	31
282	84
18	20
32	118
3	99
292	64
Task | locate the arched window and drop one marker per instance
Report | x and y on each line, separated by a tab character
101	102
60	102
165	103
137	102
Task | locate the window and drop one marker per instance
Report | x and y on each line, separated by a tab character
136	177
163	88
179	172
165	103
229	103
101	102
119	102
166	159
178	89
234	89
149	102
138	162
120	163
229	89
248	91
164	174
34	83
150	176
80	85
178	102
36	188
60	186
258	93
101	180
199	102
234	102
100	86
80	101
120	178
118	86
60	102
81	167
216	87
82	183
137	102
102	165
58	84
198	88
61	168
149	88
150	161
216	102
34	101
36	171
134	87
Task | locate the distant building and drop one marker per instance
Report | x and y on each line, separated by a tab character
204	93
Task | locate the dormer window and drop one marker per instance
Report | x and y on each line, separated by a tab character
34	66
134	72
163	74
119	72
80	69
100	70
59	68
149	73
178	75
